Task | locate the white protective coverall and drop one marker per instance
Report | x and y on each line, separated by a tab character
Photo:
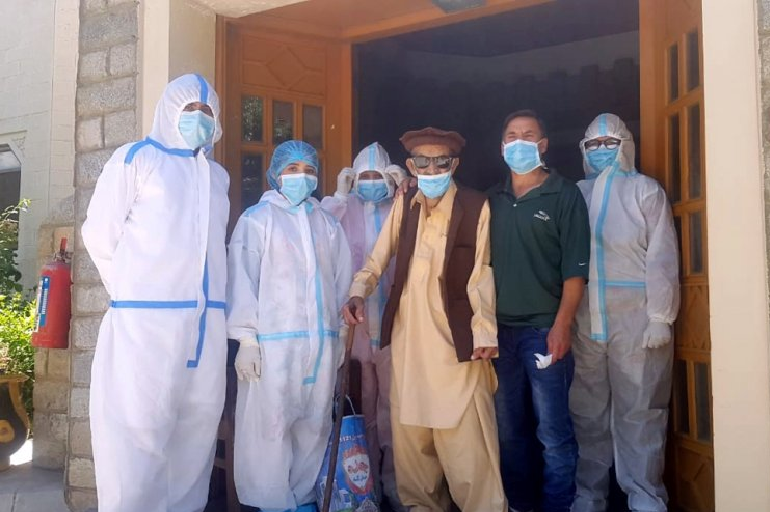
155	229
621	389
288	274
362	222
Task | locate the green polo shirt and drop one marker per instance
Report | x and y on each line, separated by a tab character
537	241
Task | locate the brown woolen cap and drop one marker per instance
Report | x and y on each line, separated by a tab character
433	136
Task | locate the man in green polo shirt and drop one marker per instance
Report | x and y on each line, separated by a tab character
540	242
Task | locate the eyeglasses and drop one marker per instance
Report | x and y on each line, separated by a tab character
592	145
441	162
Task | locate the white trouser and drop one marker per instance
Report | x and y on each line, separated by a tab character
155	452
619	403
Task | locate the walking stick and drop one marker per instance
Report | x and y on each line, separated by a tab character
337	429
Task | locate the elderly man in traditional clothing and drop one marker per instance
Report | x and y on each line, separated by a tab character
440	318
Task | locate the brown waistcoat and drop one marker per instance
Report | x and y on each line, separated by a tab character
458	265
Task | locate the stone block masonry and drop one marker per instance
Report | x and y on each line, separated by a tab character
106	112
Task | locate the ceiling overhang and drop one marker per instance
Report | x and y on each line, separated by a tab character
239	8
361	20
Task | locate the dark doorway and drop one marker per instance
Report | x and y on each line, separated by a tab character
569	60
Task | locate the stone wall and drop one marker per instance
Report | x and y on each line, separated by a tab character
106	118
52	366
763	29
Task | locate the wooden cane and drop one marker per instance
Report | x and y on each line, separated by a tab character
337	429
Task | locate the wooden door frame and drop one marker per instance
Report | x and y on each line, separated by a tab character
736	241
667	26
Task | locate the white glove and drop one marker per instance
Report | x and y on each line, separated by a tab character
248	361
656	335
345	181
396	173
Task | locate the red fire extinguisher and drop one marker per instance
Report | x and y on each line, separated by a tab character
52	322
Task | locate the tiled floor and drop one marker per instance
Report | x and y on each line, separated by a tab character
27	489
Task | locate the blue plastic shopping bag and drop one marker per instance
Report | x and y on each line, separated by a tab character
353	489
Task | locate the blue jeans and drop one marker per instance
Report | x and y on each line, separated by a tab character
534	423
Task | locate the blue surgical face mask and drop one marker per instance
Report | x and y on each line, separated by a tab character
372	191
298	187
434	186
522	156
197	128
601	158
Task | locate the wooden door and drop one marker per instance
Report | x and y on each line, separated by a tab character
280	86
672	148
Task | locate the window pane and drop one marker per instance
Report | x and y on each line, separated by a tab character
703	401
696	243
678	226
283	121
693	61
8	159
252	171
682	406
312	125
252	118
319	191
675	164
10	189
693	138
673	73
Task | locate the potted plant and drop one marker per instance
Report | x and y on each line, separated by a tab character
14	422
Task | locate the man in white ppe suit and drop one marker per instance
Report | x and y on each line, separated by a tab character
362	202
288	273
623	350
155	229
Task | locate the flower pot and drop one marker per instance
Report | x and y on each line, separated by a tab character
14	422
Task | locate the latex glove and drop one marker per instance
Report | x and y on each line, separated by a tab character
542	362
345	181
656	335
396	173
248	361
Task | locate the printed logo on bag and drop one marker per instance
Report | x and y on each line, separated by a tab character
542	216
357	470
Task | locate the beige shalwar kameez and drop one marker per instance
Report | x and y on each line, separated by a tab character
442	411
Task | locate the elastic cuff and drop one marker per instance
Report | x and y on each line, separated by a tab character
248	341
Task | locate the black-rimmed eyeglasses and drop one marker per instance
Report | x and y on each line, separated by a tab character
441	162
593	144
